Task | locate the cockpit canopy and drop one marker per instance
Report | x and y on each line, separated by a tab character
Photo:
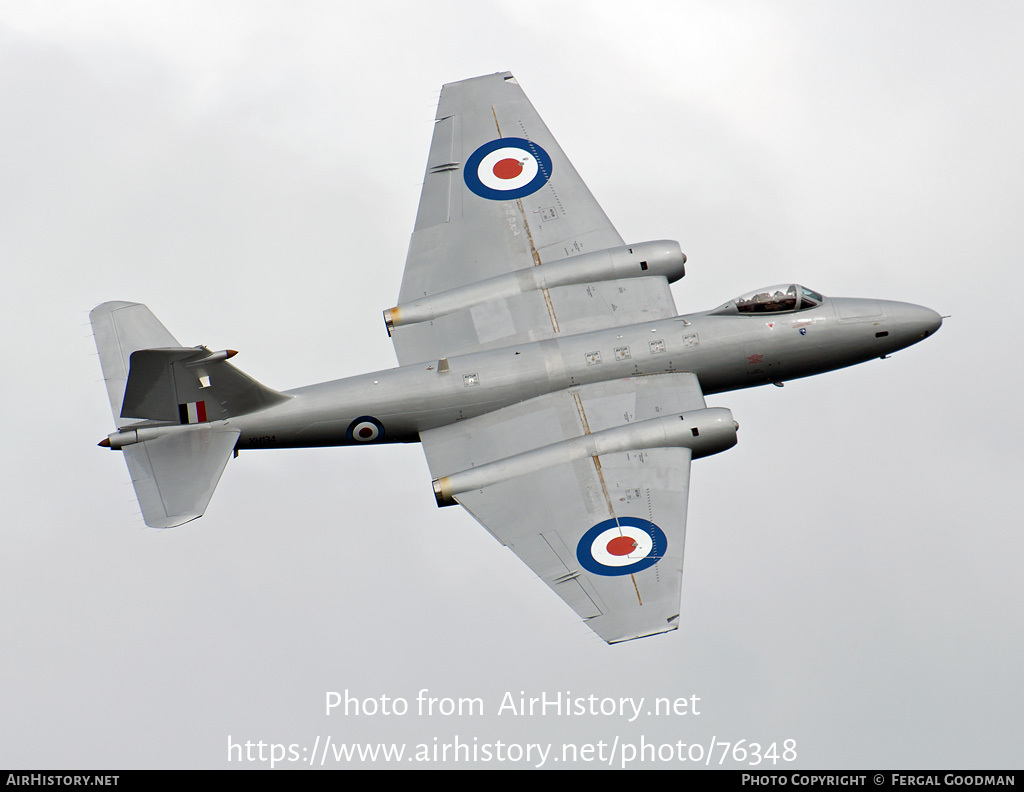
784	298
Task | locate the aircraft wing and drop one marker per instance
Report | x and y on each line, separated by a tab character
500	196
601	526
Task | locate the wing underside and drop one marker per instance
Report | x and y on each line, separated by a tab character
474	225
605	532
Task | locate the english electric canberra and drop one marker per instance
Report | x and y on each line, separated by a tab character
558	395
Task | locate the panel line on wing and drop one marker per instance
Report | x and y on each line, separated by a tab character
529	235
551	309
583	415
595	459
537	262
636	588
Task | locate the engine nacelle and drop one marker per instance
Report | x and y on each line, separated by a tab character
705	432
663	257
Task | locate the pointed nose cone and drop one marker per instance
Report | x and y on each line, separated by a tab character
924	321
912	323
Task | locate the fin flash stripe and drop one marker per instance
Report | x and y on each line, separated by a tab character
192	413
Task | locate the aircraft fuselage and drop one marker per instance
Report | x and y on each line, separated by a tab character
726	352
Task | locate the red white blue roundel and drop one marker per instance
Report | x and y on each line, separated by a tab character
621	546
365	430
507	168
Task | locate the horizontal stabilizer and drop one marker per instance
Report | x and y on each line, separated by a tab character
175	475
121	328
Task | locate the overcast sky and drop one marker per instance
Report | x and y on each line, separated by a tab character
251	172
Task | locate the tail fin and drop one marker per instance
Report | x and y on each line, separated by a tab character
168	403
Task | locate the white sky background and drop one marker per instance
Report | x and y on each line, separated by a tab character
251	172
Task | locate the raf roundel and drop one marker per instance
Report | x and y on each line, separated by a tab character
507	168
366	429
621	546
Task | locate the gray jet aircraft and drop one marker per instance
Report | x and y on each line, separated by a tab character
558	395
